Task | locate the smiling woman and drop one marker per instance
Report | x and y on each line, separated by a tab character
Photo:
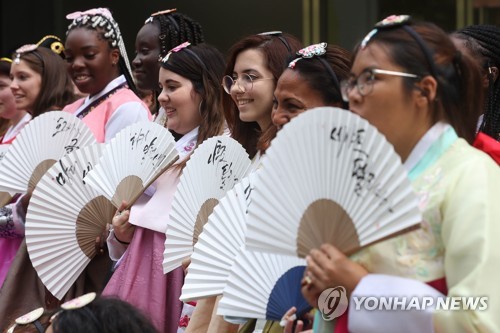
98	64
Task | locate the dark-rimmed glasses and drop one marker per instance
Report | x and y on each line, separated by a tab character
364	81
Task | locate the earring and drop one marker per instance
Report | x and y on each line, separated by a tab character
199	107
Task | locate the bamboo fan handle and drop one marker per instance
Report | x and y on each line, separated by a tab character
136	197
395	234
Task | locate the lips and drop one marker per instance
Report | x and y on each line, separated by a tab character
170	112
79	78
242	102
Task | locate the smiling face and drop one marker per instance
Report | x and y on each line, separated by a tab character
145	64
180	102
26	85
92	64
294	95
255	104
8	109
389	107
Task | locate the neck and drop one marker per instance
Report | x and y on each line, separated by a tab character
20	115
264	123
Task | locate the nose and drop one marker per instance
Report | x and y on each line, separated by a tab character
137	61
280	117
163	98
13	85
76	64
353	95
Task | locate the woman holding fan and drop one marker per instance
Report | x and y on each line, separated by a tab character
409	81
189	77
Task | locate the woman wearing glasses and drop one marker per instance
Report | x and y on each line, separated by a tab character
254	65
409	81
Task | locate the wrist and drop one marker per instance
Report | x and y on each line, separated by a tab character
120	241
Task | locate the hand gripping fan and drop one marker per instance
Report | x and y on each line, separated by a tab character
263	286
329	177
213	169
64	218
132	161
221	240
42	142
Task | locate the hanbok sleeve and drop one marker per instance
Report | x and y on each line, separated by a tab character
125	115
471	232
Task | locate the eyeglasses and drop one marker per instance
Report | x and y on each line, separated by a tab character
364	81
245	82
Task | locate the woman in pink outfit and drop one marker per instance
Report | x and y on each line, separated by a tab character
190	78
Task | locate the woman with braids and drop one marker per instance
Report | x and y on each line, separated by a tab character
160	33
98	64
410	82
483	43
190	79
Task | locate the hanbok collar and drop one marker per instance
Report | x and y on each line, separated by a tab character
430	147
187	143
112	85
14	130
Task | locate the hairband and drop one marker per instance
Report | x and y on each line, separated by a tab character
51	42
179	48
402	21
161	12
278	34
315	51
77	303
29	318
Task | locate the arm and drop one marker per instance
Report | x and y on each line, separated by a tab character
125	115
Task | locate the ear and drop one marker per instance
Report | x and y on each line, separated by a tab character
427	88
494	71
115	56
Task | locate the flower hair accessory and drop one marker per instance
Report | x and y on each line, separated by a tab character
24	49
31	317
310	51
174	50
388	22
52	42
161	12
91	12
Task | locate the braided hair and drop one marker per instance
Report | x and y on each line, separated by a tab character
482	41
175	28
101	21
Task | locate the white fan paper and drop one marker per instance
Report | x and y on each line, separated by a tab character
64	218
221	240
254	277
329	177
42	142
3	151
132	160
213	169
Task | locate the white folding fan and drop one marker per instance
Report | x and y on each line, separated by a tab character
3	151
263	286
213	169
329	177
222	239
64	218
42	142
132	160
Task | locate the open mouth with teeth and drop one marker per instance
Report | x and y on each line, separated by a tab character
242	102
81	78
